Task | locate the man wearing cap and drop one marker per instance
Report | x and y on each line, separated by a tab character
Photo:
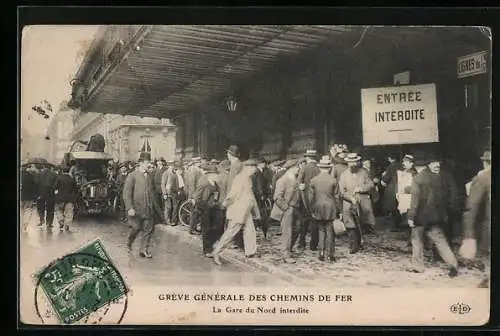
167	193
324	201
306	174
288	209
277	174
477	218
263	185
427	214
138	195
241	210
207	203
355	187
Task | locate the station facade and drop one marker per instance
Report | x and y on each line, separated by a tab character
313	98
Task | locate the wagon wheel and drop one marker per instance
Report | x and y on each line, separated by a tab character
185	212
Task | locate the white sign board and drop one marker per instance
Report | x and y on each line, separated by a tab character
399	115
473	64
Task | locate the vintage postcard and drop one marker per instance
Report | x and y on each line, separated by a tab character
255	175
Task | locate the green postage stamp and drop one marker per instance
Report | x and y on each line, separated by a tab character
81	287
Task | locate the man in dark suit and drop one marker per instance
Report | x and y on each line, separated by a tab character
161	166
66	191
306	174
141	205
206	200
120	182
28	194
262	186
324	202
173	187
46	182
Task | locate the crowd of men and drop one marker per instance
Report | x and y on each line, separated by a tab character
342	192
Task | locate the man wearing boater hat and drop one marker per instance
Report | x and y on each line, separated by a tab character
324	202
355	187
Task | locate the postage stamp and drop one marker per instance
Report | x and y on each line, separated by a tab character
81	287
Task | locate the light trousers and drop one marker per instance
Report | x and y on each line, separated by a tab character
438	238
232	229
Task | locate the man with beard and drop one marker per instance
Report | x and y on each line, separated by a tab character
355	187
138	194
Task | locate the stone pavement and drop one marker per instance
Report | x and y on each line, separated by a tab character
381	263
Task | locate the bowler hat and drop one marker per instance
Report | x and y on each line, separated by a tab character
352	157
289	164
145	156
486	156
432	157
234	150
324	162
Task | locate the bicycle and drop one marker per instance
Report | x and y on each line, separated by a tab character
186	210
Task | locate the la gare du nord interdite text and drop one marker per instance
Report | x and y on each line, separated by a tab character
401	115
206	297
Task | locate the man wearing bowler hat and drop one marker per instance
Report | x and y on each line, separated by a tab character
141	205
355	187
428	213
306	174
477	218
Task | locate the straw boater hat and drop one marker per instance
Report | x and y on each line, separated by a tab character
352	157
325	162
209	168
311	153
196	159
408	157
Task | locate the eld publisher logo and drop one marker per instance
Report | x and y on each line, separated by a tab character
460	308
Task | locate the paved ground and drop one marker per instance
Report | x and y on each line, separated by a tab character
178	260
174	262
381	264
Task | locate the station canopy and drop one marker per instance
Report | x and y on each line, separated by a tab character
164	71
